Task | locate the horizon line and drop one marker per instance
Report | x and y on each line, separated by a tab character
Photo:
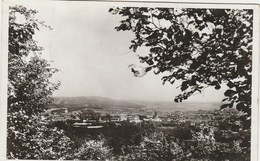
122	99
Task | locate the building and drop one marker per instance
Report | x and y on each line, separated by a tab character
133	118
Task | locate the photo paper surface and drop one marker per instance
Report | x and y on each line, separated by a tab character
110	80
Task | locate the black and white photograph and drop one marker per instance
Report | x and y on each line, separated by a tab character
129	81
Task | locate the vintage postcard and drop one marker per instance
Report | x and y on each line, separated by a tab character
129	80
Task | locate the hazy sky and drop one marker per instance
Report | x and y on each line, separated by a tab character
93	57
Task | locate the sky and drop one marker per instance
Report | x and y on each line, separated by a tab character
93	57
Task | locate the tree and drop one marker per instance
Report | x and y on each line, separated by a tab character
93	150
40	140
199	47
155	146
29	82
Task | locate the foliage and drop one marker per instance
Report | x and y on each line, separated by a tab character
209	140
29	84
206	144
203	146
94	150
199	47
208	149
153	147
39	140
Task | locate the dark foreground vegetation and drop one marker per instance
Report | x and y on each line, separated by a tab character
222	139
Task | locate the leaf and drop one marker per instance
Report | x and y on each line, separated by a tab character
226	105
217	87
230	85
184	86
172	81
229	93
225	99
110	9
240	106
148	69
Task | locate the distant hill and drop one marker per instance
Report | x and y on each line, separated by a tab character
99	101
96	103
108	105
171	106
